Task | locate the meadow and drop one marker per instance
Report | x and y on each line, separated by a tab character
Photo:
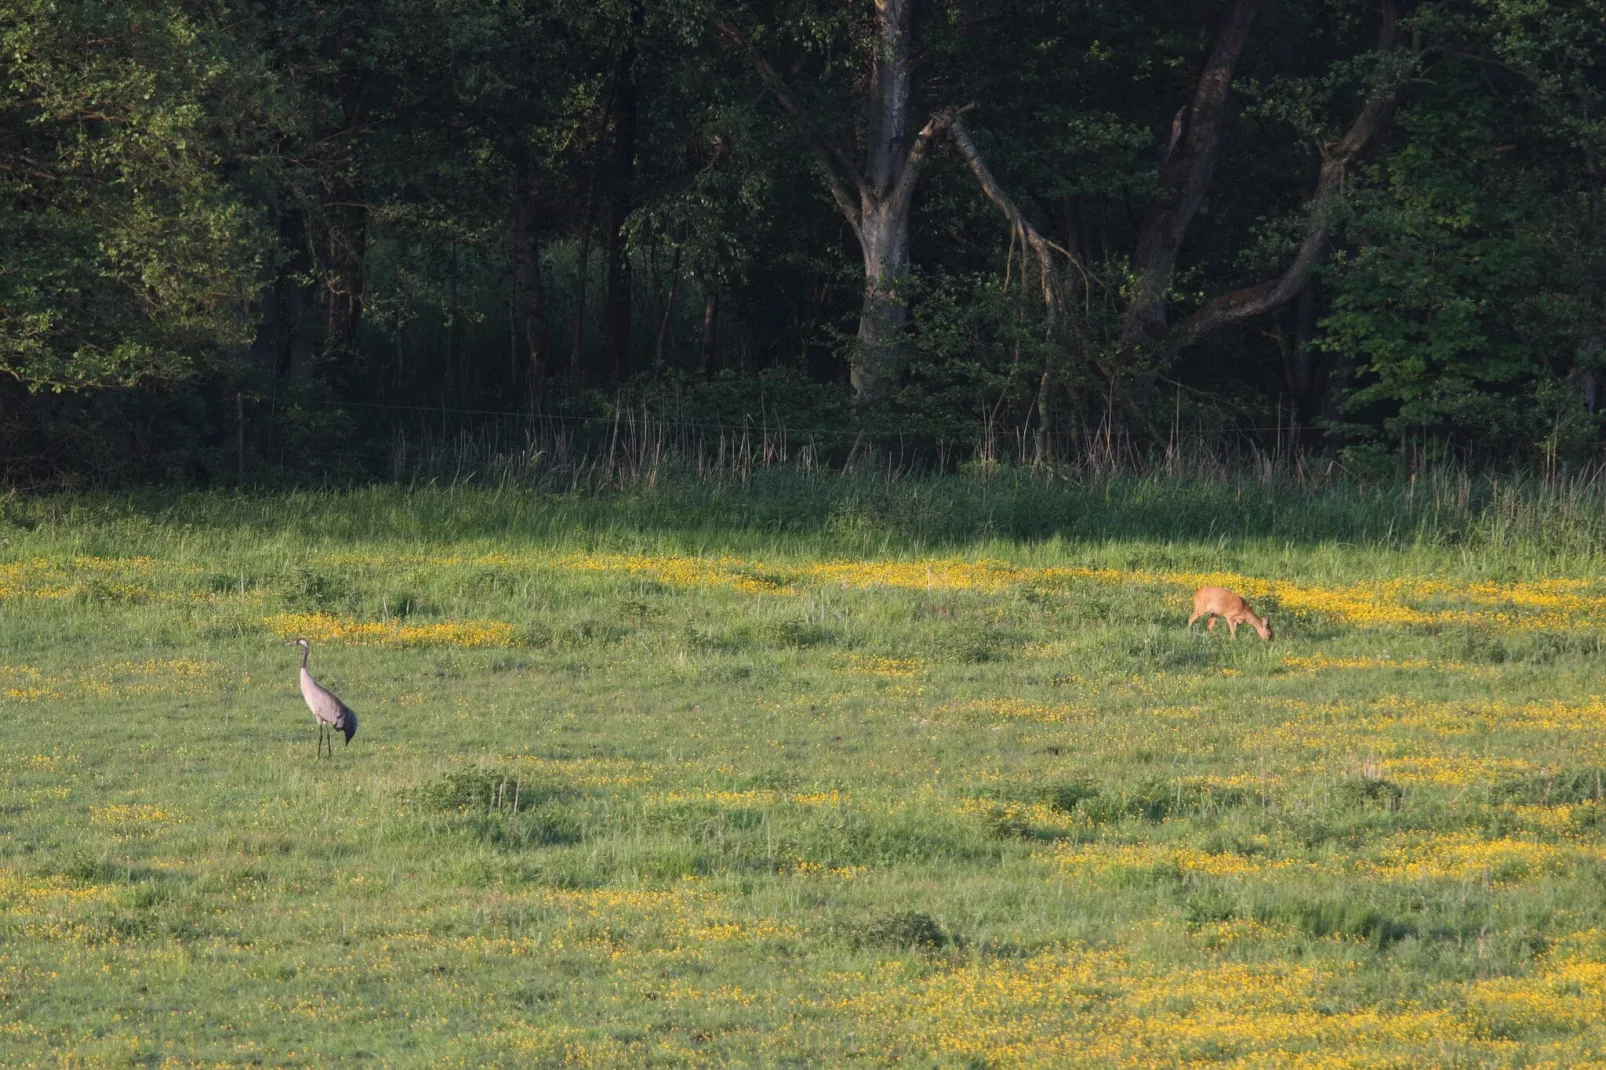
808	771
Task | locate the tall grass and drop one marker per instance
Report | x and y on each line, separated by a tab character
870	504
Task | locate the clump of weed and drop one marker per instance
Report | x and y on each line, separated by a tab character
1559	787
972	644
103	592
485	790
589	631
1067	797
404	604
312	590
799	634
1365	791
711	640
1547	647
1479	647
638	610
902	930
1338	919
1149	800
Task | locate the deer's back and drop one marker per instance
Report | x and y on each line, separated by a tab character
1217	600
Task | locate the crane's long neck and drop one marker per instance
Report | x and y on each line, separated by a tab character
306	650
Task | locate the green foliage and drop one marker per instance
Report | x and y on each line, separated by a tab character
1447	303
405	208
127	254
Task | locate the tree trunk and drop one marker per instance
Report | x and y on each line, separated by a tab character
884	239
705	355
658	354
346	224
346	244
577	325
876	201
287	331
1300	371
621	183
1375	118
1185	172
529	299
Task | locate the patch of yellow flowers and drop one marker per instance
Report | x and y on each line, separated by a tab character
1086	1006
128	814
1547	604
112	680
1551	604
329	627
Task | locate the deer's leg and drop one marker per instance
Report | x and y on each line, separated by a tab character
1210	625
1232	627
1196	616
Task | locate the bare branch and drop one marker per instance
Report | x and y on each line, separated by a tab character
1185	176
1021	228
846	184
1374	118
939	124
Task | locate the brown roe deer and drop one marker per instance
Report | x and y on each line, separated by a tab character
1213	602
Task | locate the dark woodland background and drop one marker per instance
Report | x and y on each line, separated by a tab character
259	241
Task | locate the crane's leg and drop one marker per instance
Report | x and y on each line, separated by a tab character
320	739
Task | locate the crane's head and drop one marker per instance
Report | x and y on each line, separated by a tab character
302	643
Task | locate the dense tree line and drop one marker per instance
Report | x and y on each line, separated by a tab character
1368	222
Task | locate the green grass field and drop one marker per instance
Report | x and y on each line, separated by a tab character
806	774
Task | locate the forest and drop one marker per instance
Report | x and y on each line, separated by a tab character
247	240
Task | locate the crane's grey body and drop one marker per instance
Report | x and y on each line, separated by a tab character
332	714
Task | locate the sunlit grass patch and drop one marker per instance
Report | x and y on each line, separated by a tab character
1313	663
1102	857
990	710
47	579
25	893
1563	994
882	667
129	814
326	627
1087	1006
1469	856
114	680
1451	771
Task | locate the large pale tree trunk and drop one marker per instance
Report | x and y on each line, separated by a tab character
884	315
875	199
883	216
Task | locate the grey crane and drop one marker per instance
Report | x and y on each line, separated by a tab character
332	714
